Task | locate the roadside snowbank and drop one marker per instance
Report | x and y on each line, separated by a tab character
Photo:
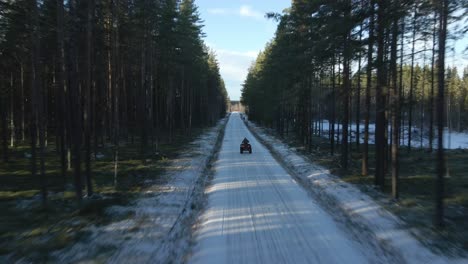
159	229
361	209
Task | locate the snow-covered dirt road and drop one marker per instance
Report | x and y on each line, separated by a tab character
257	213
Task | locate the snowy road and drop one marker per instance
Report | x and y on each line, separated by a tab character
257	213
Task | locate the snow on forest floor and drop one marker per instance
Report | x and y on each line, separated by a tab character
158	230
346	200
452	139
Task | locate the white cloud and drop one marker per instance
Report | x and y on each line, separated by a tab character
247	11
235	64
233	73
243	11
234	67
249	54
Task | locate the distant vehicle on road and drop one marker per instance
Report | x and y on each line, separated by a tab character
245	146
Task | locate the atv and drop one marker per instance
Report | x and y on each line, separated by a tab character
245	147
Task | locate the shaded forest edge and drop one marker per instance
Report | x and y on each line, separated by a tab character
96	98
87	74
371	64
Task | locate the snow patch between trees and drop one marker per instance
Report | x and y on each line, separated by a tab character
452	139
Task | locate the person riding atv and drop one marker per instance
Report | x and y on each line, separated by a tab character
245	146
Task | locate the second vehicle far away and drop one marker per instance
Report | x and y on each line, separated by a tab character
245	146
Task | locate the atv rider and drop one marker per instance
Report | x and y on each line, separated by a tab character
245	141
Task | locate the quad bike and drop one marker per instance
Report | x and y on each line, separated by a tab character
245	147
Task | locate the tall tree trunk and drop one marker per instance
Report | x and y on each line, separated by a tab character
431	101
115	86
41	117
12	112
333	110
365	157
358	95
380	151
401	88
339	83
61	88
88	93
3	120
37	103
395	106
346	93
440	185
142	101
423	99
410	103
75	107
23	110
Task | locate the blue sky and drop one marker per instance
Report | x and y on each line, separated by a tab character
237	30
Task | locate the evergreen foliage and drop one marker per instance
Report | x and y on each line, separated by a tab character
89	74
314	70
